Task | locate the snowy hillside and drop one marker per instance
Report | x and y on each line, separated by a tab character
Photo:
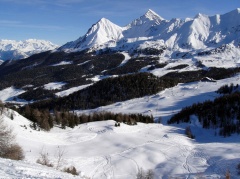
11	49
101	150
215	36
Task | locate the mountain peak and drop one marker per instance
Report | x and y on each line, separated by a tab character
100	33
150	18
150	14
103	20
199	15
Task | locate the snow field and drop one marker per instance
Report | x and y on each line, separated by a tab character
101	150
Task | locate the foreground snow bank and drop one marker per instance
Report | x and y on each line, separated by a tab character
22	169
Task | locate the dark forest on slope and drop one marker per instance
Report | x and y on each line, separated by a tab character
222	113
43	119
108	91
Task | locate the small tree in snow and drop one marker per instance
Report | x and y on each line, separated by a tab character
12	117
8	147
149	174
228	175
145	175
140	174
189	133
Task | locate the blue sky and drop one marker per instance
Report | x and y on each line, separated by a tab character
61	21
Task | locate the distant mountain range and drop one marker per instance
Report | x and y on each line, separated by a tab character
180	50
12	49
172	39
202	35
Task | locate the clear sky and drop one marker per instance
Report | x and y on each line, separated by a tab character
61	21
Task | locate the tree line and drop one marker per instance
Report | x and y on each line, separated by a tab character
43	119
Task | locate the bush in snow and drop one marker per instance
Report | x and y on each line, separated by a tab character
117	124
145	175
14	152
8	147
44	159
71	170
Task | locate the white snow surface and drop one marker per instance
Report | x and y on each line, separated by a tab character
101	150
71	90
22	169
127	57
54	85
63	63
7	95
12	49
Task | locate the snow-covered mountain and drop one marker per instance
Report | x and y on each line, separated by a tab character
141	27
12	49
103	32
192	36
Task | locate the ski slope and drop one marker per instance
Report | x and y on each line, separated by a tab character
100	150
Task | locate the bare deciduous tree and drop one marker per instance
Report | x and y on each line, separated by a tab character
60	157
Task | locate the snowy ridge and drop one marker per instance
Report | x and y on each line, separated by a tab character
140	27
12	49
202	33
104	31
